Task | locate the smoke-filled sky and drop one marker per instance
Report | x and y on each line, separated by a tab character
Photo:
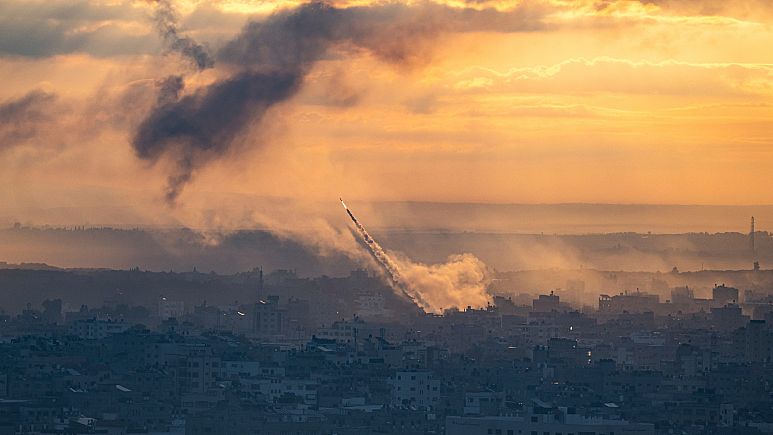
162	108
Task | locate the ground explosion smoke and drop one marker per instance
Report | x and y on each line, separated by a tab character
270	60
460	282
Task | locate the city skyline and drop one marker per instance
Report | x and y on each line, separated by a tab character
557	222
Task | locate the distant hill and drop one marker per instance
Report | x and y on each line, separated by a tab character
436	216
162	250
184	249
27	266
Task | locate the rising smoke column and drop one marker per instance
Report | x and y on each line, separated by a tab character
270	59
163	120
165	18
201	126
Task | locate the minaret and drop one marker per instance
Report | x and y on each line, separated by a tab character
260	282
756	263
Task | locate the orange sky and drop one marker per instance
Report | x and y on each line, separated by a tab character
605	101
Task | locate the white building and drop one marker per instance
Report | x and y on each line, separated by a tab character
95	329
372	305
249	369
545	421
542	326
342	331
482	402
170	309
273	389
415	389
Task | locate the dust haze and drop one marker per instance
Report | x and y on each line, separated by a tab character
188	159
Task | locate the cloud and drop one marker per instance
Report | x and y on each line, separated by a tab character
36	28
742	9
627	13
624	76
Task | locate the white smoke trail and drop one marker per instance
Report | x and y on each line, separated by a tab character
460	282
380	255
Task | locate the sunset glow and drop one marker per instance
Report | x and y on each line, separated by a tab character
544	101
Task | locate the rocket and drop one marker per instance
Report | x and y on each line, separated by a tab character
347	209
359	226
379	254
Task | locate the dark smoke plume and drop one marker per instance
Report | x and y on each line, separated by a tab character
166	22
201	126
21	118
169	89
273	57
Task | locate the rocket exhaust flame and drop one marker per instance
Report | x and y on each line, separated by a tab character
391	270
